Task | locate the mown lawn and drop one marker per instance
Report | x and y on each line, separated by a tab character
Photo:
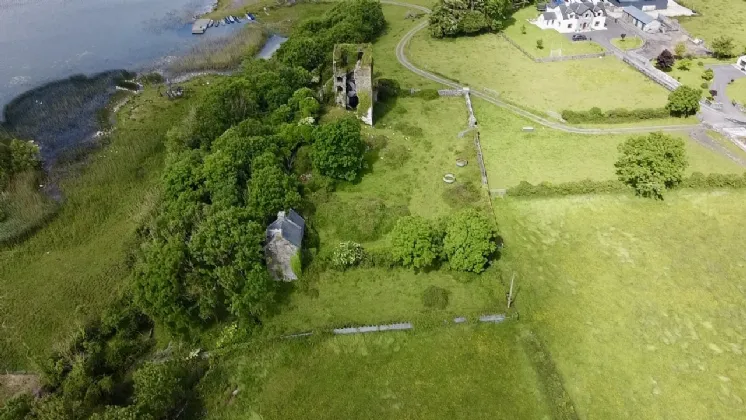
737	91
551	39
75	265
490	62
717	18
415	143
512	156
452	372
628	43
693	76
641	302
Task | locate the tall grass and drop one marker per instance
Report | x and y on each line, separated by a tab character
221	53
23	207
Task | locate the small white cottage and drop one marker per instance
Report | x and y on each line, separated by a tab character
573	16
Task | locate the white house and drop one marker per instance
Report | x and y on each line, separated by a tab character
573	16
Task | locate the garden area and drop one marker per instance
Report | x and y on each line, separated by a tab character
640	325
512	155
580	84
530	36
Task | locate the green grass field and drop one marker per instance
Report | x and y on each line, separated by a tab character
717	18
75	265
737	90
488	61
456	372
512	156
627	43
552	39
641	302
693	76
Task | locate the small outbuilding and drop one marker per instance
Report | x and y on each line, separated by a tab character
200	26
640	19
283	245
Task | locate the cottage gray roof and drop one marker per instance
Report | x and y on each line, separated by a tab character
563	11
291	226
638	14
579	8
549	16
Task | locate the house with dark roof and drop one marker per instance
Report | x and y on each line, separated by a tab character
573	16
284	238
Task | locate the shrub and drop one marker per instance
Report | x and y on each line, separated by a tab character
723	46
435	297
704	85
338	149
587	186
651	164
700	64
618	115
712	181
416	242
427	94
708	74
684	65
540	44
469	241
665	60
684	101
347	255
378	257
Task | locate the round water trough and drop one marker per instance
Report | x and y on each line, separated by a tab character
461	162
449	178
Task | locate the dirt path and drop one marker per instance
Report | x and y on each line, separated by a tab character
14	384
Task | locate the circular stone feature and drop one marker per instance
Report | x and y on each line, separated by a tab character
461	162
449	178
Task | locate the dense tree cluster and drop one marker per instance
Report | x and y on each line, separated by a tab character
651	164
465	17
353	22
225	177
466	240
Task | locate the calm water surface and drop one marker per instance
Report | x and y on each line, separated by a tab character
46	40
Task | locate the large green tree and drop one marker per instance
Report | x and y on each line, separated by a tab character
651	164
684	101
416	242
270	190
338	149
470	240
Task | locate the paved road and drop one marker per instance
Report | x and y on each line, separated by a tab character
723	75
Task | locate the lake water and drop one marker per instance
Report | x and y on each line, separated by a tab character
45	40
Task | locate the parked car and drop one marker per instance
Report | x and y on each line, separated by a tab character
579	37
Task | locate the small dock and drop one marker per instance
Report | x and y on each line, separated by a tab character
200	26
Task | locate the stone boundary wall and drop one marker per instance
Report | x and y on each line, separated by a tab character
401	326
450	92
551	59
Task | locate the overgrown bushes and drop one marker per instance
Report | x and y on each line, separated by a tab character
618	115
461	17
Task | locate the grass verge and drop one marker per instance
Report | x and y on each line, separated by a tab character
512	156
628	43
